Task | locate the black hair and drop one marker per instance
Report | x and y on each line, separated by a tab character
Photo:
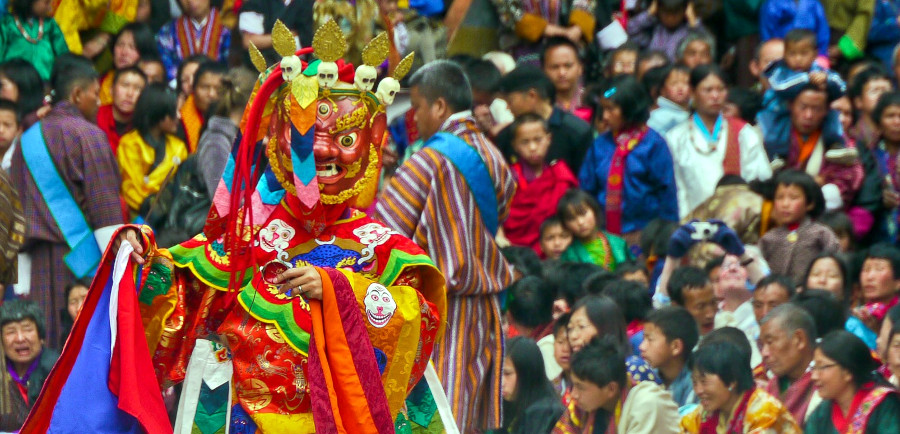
23	309
157	101
675	322
524	259
528	77
555	42
21	8
839	222
887	99
748	102
199	59
894	314
847	287
606	316
128	70
730	180
532	384
632	297
28	81
850	353
654	79
887	252
74	284
576	201
683	279
10	106
824	307
725	359
528	118
550	222
597	282
701	72
561	323
483	75
785	282
629	267
569	277
673	5
807	184
208	68
655	237
625	92
444	79
797	35
859	82
71	71
144	41
713	263
600	362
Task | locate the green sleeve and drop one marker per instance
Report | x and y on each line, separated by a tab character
57	40
853	43
886	417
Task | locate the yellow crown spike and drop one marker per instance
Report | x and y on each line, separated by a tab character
376	50
404	66
283	40
329	43
257	58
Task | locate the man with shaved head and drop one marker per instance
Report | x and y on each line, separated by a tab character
787	342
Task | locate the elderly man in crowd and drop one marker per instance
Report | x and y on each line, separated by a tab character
787	343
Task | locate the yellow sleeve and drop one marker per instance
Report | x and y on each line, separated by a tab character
531	27
584	20
132	157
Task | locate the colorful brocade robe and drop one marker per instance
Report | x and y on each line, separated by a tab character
399	297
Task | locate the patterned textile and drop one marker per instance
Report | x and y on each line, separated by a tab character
12	229
429	201
873	410
183	37
86	163
797	396
791	252
399	298
535	201
524	21
606	250
191	124
763	413
738	206
40	54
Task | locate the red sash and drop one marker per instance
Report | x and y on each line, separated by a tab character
107	122
864	403
732	161
535	201
208	41
708	425
625	142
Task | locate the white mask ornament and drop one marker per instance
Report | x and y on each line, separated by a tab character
327	74
380	305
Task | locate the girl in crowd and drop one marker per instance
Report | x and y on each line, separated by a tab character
151	153
790	248
184	81
530	405
582	216
674	99
829	272
853	396
708	145
132	43
30	32
729	399
629	168
597	315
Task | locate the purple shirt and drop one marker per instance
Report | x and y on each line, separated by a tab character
646	31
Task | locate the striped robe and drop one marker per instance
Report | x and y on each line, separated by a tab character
429	201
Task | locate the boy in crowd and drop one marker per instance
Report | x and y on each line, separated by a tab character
663	25
786	78
115	119
540	185
10	129
153	68
690	288
555	238
199	30
670	335
206	88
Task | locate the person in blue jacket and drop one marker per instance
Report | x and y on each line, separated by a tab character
778	17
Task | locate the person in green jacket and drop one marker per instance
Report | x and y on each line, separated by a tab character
849	21
30	32
582	216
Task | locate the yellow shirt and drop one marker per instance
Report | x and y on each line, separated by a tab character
764	414
135	157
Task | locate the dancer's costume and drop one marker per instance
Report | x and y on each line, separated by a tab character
307	158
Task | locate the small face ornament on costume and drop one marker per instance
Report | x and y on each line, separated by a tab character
291	67
327	74
365	78
275	236
380	305
387	90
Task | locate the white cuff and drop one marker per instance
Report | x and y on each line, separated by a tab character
23	286
104	236
252	22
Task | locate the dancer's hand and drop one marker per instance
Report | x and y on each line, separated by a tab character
306	280
132	236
